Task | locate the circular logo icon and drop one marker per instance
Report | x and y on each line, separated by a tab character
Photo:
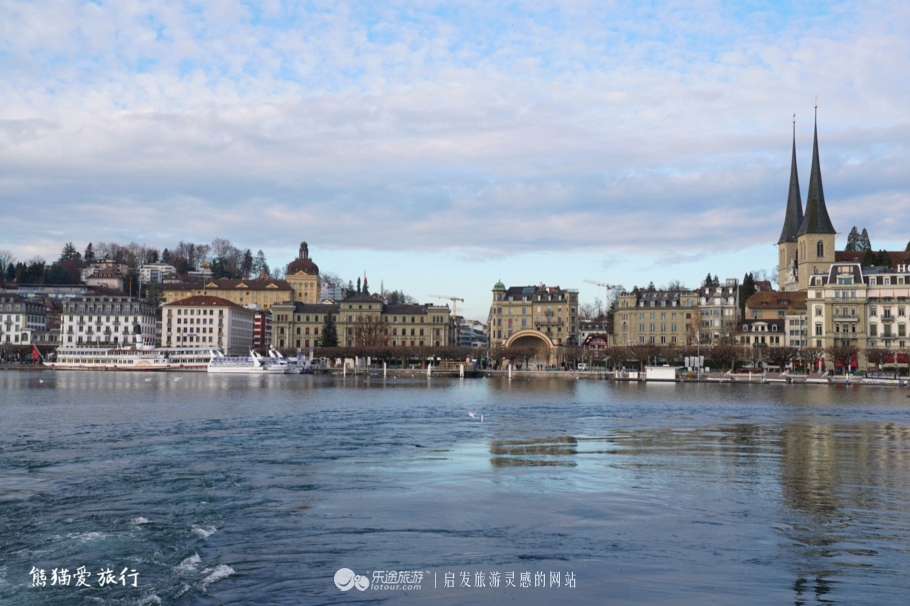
345	578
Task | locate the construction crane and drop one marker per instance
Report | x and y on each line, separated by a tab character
454	301
609	287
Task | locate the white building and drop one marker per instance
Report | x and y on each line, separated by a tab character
154	273
107	320
22	321
719	306
205	321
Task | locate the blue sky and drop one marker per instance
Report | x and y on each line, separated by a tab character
443	146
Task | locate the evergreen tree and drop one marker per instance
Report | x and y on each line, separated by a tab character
708	281
246	266
10	272
852	240
69	253
746	290
259	264
329	332
865	243
870	258
57	274
908	246
358	285
89	256
366	289
165	256
884	259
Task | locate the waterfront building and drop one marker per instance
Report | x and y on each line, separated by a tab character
865	307
534	315
361	320
329	291
303	276
260	292
656	317
22	321
207	321
105	320
769	332
796	329
718	307
587	328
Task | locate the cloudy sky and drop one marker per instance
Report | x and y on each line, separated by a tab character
442	146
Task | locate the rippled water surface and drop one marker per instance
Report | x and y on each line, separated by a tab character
256	490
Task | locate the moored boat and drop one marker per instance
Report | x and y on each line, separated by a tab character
251	364
130	358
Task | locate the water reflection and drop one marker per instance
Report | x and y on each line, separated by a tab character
539	452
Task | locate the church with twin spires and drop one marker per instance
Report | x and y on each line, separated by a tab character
806	245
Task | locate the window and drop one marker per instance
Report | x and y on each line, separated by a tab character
820	249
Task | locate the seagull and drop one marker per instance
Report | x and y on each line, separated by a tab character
474	415
41	380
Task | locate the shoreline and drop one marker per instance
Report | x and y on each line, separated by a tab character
729	378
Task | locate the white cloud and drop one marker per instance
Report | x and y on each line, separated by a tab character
637	130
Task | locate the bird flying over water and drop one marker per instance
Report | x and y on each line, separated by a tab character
474	415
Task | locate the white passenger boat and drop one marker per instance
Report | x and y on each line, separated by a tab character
252	364
130	358
292	367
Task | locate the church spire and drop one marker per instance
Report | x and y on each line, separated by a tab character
816	219
794	217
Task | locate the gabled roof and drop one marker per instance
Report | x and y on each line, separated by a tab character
778	299
794	217
816	219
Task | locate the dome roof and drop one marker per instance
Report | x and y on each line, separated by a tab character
302	265
499	286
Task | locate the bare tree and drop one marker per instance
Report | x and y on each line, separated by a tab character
586	311
6	257
370	331
782	356
843	355
810	355
878	356
725	356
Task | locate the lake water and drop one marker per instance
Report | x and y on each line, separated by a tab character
257	490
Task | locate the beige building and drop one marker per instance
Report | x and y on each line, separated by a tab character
362	320
206	321
303	276
862	307
260	293
529	315
656	317
105	279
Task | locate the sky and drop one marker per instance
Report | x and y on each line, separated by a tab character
438	147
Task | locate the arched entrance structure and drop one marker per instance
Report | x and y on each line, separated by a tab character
534	338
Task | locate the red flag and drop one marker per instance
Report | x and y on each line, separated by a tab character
36	355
